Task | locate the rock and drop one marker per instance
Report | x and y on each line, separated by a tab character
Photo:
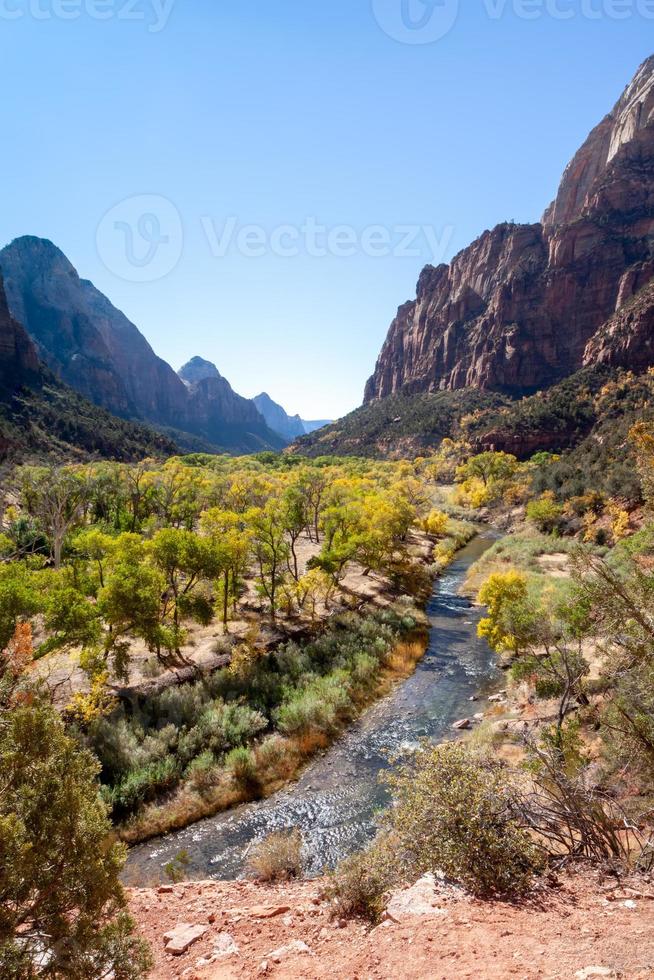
423	898
225	945
263	967
179	939
526	305
164	889
268	911
94	348
294	948
497	698
462	725
594	971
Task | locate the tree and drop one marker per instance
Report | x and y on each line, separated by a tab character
232	543
545	513
270	549
545	636
19	598
489	467
56	496
62	908
130	602
294	516
185	559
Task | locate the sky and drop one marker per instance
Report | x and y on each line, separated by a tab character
260	182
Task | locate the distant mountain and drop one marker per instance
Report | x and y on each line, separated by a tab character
289	427
40	417
94	348
313	426
197	369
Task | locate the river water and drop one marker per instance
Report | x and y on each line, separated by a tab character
335	801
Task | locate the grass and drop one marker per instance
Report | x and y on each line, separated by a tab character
520	551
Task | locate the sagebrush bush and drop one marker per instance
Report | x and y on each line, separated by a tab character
358	886
241	763
456	810
278	857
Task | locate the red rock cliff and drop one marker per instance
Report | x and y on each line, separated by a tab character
526	305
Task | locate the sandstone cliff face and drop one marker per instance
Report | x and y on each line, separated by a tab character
518	309
94	348
19	363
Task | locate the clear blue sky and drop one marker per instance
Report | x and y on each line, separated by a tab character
275	111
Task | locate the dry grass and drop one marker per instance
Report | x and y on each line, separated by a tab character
278	857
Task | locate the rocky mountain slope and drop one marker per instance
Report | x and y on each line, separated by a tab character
527	305
40	416
94	348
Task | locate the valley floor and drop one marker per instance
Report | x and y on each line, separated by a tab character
579	927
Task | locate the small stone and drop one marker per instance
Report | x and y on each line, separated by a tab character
179	939
225	945
294	948
164	889
630	904
268	911
461	725
594	971
263	967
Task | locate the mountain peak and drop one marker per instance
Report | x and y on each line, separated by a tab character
196	370
624	125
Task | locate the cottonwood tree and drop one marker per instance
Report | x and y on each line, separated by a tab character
56	497
270	549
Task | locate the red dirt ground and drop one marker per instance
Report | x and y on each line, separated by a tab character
580	922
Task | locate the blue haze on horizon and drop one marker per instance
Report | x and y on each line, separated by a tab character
272	113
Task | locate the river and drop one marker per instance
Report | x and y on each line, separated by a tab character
335	801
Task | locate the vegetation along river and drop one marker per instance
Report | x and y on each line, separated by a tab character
335	801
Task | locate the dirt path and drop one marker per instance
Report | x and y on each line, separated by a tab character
287	932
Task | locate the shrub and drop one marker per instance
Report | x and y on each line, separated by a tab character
142	785
545	513
278	857
358	885
241	764
456	810
203	771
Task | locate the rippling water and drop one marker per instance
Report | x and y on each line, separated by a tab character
335	801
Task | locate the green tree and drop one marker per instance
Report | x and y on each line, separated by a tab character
62	908
270	549
57	497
